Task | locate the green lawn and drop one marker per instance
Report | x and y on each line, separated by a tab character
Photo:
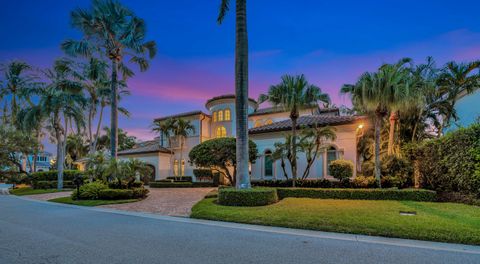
30	191
445	222
68	200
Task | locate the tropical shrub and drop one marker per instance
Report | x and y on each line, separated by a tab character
219	154
452	162
364	182
90	191
247	197
368	168
341	169
359	194
203	174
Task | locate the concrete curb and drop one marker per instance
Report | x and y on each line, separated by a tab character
438	246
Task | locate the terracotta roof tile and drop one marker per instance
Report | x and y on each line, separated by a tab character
151	146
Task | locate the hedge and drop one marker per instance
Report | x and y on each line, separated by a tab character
323	183
51	184
249	197
170	184
341	169
180	178
359	194
68	175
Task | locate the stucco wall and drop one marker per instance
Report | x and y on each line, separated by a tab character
158	160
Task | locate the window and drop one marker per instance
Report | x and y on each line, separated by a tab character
175	168
331	156
268	165
258	123
182	171
214	116
221	132
268	122
220	115
227	115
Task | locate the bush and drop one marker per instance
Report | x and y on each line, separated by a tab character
125	185
68	175
115	194
203	174
51	184
247	197
368	168
364	182
322	183
140	192
399	169
452	162
90	191
359	194
180	178
341	169
390	182
165	184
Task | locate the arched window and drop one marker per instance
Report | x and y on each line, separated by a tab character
268	122
258	123
175	168
214	116
220	115
221	132
227	115
182	170
331	156
268	164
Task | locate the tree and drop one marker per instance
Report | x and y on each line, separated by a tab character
312	142
454	80
379	93
294	93
114	31
124	140
18	80
165	128
219	154
14	147
282	152
241	88
60	103
182	128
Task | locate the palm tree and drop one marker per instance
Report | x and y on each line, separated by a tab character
312	141
115	32
182	128
165	129
18	80
378	94
454	80
60	103
241	89
294	93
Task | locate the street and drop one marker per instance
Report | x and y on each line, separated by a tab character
41	232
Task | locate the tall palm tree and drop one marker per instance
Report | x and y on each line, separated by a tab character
60	103
114	31
181	129
18	80
165	129
293	94
454	80
241	89
379	93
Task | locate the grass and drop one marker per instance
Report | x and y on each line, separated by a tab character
68	200
444	222
31	191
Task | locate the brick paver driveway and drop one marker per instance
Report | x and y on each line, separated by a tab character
166	201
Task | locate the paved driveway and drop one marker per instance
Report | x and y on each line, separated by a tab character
41	232
166	201
48	196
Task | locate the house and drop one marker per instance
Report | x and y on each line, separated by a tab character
43	162
266	127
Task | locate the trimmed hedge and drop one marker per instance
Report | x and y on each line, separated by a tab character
341	169
68	175
121	194
51	184
166	184
323	183
249	197
359	194
180	178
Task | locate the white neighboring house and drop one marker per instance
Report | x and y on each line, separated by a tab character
266	126
43	162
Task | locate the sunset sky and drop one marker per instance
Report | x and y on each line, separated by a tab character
331	42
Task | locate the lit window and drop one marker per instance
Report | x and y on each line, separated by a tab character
258	123
175	168
221	132
220	115
183	167
227	114
214	116
269	122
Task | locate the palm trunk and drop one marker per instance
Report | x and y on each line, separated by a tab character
97	133
181	158
391	132
114	112
378	124
282	164
241	96
293	162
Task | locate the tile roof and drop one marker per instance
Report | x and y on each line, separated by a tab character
225	96
279	109
191	113
319	120
151	146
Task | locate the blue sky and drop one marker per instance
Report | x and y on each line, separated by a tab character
332	42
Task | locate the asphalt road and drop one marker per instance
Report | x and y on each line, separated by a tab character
41	232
